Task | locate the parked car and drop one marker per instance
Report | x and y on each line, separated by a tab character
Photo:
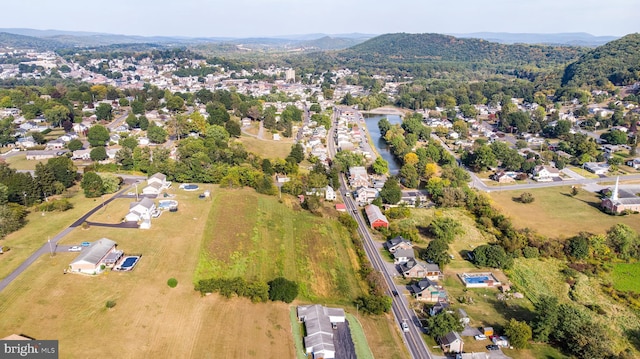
480	337
75	249
85	244
493	347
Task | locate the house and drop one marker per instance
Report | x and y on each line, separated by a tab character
81	155
358	177
318	321
413	197
154	188
159	178
93	259
403	255
502	177
545	173
396	243
245	122
140	210
329	194
341	207
595	167
365	195
43	155
452	343
635	163
375	217
282	179
439	307
427	290
57	144
415	269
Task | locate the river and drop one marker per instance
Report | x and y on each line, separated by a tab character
381	145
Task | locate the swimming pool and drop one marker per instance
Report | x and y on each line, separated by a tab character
167	204
189	187
479	280
128	263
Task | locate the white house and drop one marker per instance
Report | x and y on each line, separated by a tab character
545	173
99	253
329	194
366	195
358	177
140	210
153	188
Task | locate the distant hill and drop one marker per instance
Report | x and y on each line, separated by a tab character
568	38
332	43
618	62
22	41
402	47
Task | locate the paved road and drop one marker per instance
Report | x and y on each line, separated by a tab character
52	244
479	184
118	121
399	305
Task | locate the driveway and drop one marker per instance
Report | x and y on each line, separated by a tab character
572	174
470	331
343	342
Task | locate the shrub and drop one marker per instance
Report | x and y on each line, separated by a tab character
374	304
110	303
526	197
172	282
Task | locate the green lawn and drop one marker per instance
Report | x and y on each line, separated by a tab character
359	339
626	277
40	226
267	148
298	330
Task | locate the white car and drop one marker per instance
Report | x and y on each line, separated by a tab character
480	337
75	249
405	327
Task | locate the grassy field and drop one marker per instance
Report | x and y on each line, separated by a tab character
359	339
258	237
165	322
255	237
20	162
40	226
538	277
626	276
113	212
555	213
267	148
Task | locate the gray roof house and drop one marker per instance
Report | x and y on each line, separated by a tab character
91	259
403	255
397	242
318	322
452	343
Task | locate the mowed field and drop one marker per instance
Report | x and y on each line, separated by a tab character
150	320
626	277
40	227
554	213
267	148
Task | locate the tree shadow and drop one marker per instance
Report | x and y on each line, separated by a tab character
511	308
424	231
634	337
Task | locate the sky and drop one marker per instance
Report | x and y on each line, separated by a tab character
258	18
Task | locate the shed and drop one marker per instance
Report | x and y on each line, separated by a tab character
488	331
452	343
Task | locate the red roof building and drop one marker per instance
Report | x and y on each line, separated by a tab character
341	207
375	216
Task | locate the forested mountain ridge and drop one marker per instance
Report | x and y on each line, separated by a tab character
403	47
617	62
22	41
